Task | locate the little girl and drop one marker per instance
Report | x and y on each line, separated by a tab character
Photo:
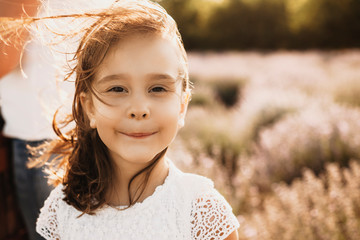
131	95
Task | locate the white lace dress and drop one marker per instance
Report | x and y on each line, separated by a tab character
186	206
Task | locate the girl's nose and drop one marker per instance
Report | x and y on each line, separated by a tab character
139	116
139	112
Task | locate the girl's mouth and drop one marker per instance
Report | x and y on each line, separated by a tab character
139	135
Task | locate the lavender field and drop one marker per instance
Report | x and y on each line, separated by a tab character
279	133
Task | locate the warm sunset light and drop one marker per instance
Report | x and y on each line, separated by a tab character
180	119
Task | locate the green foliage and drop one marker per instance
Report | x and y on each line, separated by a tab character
200	100
228	91
218	92
266	24
188	18
202	95
326	23
240	25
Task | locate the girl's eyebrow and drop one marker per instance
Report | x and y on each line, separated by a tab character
114	77
150	77
160	76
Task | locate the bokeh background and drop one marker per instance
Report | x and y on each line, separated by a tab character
275	114
274	118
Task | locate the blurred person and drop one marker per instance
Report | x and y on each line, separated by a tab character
29	96
114	180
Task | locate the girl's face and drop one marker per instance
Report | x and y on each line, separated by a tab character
138	82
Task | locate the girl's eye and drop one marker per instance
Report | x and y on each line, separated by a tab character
158	89
116	89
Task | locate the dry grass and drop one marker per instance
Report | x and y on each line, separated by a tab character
313	208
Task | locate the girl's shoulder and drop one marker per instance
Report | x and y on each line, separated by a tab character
192	185
197	183
211	216
55	197
48	221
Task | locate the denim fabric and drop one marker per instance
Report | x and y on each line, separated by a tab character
31	186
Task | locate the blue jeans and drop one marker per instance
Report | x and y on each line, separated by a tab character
31	186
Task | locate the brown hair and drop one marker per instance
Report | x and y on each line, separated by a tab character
82	163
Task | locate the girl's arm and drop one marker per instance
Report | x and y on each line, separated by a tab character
10	55
233	236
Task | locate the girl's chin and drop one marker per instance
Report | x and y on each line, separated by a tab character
136	158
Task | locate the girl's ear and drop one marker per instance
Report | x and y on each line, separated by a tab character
185	99
88	107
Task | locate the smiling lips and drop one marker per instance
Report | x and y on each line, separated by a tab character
139	135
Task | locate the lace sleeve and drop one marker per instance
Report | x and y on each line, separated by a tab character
47	223
212	217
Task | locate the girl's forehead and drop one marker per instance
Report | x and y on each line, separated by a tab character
142	41
142	54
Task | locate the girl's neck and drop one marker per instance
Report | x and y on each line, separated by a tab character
119	195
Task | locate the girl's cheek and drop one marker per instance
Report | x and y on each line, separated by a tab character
106	110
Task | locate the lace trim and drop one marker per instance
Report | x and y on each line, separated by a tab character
47	223
212	217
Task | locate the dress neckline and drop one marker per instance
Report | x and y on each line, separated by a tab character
158	190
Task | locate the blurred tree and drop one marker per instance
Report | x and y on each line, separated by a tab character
325	23
266	24
187	17
239	25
